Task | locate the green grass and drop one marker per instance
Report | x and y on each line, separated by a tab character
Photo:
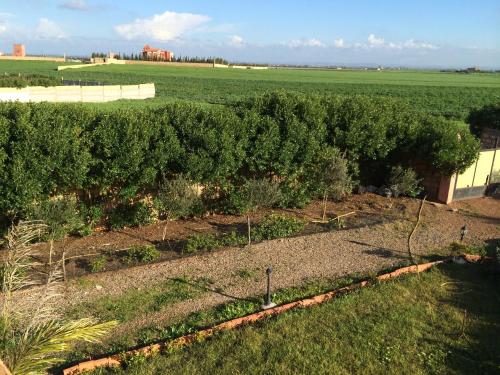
413	325
134	303
450	94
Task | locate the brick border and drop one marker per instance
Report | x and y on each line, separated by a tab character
118	359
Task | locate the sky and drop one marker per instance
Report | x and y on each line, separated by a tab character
425	33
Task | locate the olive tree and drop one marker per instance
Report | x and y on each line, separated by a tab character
330	176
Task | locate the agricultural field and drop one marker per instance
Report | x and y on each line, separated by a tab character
450	94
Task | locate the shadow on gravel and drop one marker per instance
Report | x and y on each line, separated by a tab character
205	288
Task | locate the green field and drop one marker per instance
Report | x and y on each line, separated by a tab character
441	322
449	94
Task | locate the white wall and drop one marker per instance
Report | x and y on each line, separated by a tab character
68	94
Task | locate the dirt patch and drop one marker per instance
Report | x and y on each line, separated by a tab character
370	210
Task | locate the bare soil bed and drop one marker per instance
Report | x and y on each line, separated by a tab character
370	210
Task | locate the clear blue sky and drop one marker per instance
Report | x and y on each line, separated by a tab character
419	33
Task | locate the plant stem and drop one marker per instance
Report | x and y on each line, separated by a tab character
325	198
248	230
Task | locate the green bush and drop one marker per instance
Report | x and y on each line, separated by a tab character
98	264
277	226
51	149
141	254
177	198
20	81
484	117
255	194
209	242
201	242
130	215
60	215
404	182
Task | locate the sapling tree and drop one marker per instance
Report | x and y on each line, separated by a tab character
176	198
256	194
331	176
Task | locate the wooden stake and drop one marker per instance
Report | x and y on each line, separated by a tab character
325	197
64	265
51	249
164	233
248	229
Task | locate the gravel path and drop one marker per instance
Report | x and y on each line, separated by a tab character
294	260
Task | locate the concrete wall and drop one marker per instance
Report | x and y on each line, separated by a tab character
69	94
33	58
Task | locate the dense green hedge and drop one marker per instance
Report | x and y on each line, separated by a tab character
485	117
20	81
52	149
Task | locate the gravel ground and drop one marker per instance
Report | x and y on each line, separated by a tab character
294	260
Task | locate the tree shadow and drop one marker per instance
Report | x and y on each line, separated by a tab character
203	287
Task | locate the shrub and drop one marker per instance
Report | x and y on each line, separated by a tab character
330	176
336	224
232	239
177	198
208	242
201	242
98	264
141	254
92	214
60	215
404	182
27	80
484	117
255	194
130	215
277	226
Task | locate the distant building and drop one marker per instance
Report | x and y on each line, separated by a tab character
18	50
156	54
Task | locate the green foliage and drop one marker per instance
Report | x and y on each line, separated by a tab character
458	248
201	242
447	146
130	215
255	194
487	116
208	242
141	254
98	264
234	152
404	182
330	174
277	226
60	215
336	224
21	81
177	198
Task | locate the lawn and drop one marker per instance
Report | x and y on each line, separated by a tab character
442	321
450	94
